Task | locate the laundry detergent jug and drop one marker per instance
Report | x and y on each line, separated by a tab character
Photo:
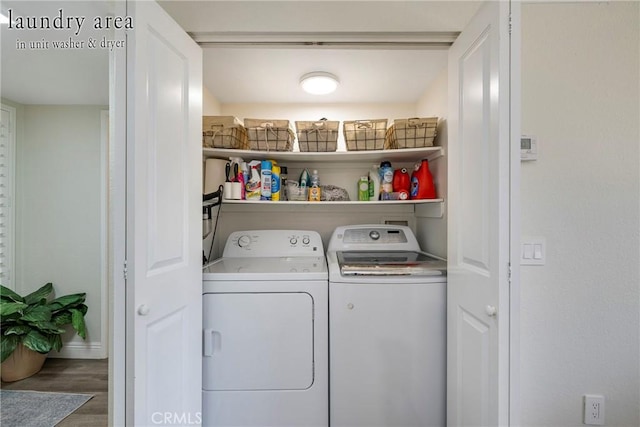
402	183
422	186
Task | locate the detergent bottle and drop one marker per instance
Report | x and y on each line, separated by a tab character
374	183
276	183
402	183
386	180
422	186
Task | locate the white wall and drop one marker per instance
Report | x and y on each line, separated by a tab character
58	209
210	105
580	312
432	232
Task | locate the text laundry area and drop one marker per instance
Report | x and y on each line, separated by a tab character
336	290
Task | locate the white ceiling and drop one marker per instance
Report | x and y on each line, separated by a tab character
253	74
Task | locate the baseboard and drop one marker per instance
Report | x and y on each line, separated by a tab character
81	350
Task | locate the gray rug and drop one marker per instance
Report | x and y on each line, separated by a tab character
37	409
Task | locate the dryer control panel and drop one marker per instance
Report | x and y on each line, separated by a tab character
273	243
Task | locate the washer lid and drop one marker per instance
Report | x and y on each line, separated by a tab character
390	263
267	269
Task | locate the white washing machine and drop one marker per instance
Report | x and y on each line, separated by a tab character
387	326
265	331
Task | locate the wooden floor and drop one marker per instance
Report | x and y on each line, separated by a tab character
73	376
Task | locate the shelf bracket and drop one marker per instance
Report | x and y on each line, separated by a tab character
429	210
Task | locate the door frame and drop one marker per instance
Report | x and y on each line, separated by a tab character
10	211
117	243
117	230
515	119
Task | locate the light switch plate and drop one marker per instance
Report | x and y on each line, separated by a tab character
528	148
533	250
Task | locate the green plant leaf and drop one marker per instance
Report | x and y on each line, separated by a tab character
48	328
83	308
39	295
17	330
8	344
67	301
61	318
9	308
56	342
37	342
8	294
77	320
38	313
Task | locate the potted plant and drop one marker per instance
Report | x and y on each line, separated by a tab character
33	325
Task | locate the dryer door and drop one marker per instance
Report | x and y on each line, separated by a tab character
257	341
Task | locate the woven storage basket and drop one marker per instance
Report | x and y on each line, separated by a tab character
365	134
317	136
223	132
269	135
416	132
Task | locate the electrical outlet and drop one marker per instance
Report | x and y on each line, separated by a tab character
594	409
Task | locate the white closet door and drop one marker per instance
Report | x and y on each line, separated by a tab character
479	221
164	243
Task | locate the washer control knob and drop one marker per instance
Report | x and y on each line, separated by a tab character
374	235
244	241
350	306
305	240
293	241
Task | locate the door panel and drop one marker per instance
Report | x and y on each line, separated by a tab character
168	171
474	151
387	359
258	341
474	358
479	221
164	280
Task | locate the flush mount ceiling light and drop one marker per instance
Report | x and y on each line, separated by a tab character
319	83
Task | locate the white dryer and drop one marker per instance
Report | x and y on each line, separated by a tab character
387	317
265	331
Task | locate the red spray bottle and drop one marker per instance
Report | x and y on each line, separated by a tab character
422	186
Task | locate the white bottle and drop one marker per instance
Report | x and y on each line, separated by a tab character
374	183
315	178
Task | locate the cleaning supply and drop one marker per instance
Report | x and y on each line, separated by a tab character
283	182
422	186
386	180
402	183
242	179
374	183
253	189
238	175
314	189
275	182
363	188
265	180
